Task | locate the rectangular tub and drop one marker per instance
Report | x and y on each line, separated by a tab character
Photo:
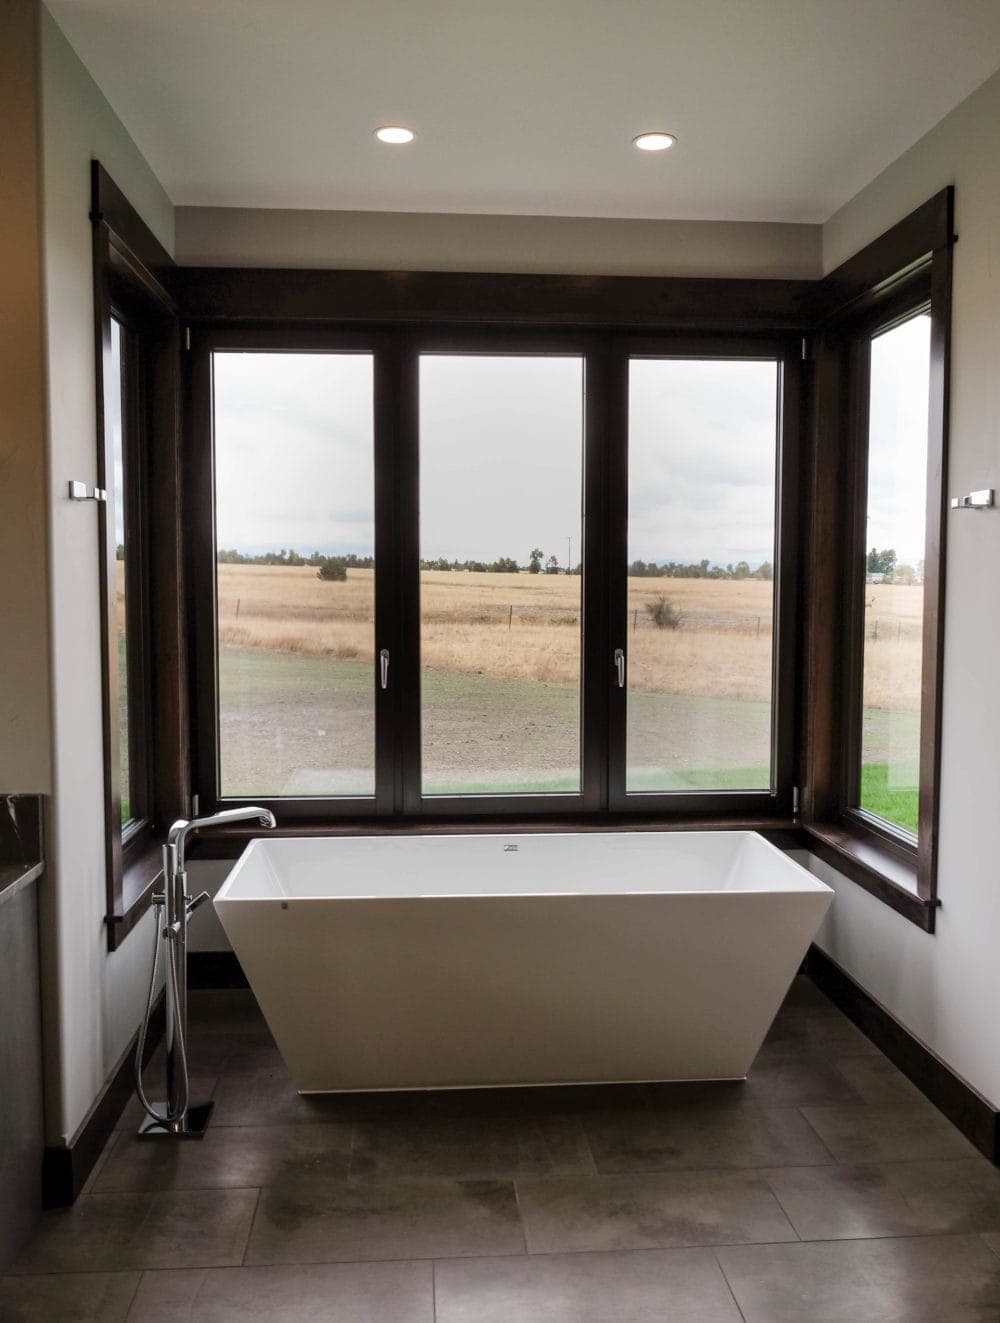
402	962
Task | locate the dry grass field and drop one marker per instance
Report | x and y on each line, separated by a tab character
526	626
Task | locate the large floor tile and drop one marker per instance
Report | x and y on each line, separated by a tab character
669	1136
82	1297
891	1199
268	1097
947	1279
799	1080
207	1055
578	1099
877	1081
309	1293
104	1232
820	1032
682	1286
571	1213
916	1132
327	1221
228	1156
225	1011
992	1239
469	1147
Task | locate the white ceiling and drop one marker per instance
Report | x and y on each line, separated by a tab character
783	109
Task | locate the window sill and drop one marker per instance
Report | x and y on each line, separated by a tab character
140	875
875	867
230	842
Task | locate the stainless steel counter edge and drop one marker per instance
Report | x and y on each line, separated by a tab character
15	877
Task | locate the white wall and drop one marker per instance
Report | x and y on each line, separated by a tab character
92	999
946	988
556	245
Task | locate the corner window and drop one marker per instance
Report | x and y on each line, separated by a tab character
874	627
118	426
898	370
143	617
122	463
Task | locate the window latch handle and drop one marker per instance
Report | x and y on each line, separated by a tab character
620	666
383	668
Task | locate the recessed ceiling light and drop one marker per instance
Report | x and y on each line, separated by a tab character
394	133
654	142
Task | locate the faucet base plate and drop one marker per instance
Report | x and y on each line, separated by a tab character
192	1125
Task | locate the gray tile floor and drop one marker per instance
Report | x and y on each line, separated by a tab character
825	1189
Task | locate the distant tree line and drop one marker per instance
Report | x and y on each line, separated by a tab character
505	565
283	557
703	569
330	567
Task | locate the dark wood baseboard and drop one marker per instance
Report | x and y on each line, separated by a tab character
215	969
977	1119
65	1167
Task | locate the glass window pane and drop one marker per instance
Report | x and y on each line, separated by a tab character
894	570
115	406
295	576
701	537
501	479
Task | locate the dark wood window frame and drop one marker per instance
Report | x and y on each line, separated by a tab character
605	354
907	270
819	316
130	268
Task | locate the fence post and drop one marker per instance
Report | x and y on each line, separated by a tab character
758	626
237	608
635	620
510	616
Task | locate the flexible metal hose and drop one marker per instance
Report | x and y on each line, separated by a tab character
169	1117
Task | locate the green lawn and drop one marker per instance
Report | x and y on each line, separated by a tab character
719	778
897	805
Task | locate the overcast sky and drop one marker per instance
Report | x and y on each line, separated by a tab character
113	409
897	450
501	454
501	457
702	444
293	452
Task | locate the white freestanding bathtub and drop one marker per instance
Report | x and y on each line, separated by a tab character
402	962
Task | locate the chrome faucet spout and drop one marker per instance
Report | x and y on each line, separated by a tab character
183	827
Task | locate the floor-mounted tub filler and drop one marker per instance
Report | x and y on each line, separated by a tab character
411	962
176	1116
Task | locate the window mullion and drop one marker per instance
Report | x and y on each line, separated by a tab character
405	562
615	425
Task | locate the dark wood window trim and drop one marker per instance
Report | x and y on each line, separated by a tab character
907	268
130	271
288	296
590	311
396	348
